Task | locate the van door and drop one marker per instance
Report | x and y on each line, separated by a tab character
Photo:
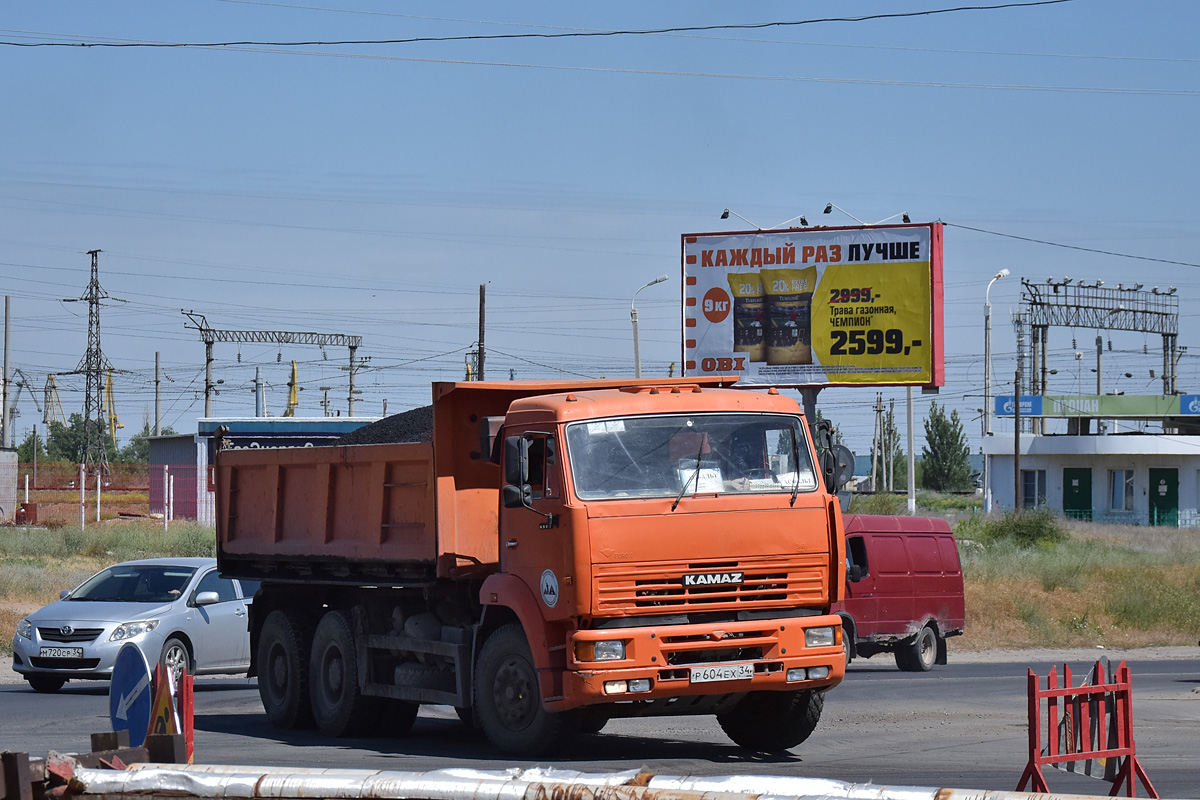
893	583
861	603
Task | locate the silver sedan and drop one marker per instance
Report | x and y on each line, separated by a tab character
179	611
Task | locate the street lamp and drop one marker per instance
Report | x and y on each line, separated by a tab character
633	317
987	384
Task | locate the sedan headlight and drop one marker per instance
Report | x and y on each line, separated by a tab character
818	637
25	628
128	630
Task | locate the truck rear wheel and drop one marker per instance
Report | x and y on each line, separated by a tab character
508	702
282	660
338	705
919	654
772	722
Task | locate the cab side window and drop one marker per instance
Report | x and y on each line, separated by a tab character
543	467
213	582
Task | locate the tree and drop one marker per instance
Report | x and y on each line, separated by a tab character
33	446
66	443
947	467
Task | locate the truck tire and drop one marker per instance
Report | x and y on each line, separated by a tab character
393	717
919	654
508	703
338	705
772	722
282	660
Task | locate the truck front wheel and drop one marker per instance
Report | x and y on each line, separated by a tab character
772	722
338	705
282	660
508	703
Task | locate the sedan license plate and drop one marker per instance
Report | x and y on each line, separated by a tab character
722	672
61	652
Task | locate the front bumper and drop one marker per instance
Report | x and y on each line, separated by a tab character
668	660
96	662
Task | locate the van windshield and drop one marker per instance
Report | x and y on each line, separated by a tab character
666	456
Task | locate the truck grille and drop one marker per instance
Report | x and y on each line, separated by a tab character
795	580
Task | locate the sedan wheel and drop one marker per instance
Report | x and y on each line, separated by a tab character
175	657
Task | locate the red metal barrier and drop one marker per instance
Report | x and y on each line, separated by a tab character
1090	724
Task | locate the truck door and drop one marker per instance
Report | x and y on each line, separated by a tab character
535	540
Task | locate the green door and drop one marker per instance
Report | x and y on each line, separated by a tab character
1164	496
1077	492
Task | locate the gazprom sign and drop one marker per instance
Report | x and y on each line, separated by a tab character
1031	405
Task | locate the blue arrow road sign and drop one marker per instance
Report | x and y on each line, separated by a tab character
129	696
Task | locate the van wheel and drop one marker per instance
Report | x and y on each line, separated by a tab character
772	722
918	655
508	702
282	661
338	705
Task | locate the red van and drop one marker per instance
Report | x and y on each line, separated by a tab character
904	589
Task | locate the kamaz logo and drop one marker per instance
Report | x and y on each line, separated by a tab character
714	579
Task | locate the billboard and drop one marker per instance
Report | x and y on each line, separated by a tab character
854	306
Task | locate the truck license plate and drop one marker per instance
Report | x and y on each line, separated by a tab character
722	672
61	652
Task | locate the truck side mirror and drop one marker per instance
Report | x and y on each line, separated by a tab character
516	460
517	496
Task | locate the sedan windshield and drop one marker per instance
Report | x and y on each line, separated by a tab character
135	583
672	456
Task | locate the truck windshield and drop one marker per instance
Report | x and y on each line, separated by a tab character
666	456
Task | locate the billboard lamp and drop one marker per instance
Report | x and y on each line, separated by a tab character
803	223
829	207
904	218
725	215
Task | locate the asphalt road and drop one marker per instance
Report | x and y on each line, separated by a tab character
962	725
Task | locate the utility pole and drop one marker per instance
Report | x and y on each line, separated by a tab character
5	433
482	306
1017	444
157	395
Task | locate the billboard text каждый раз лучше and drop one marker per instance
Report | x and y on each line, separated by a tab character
855	306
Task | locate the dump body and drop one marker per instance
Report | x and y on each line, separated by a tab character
904	578
658	548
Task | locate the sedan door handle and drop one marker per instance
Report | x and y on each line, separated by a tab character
511	543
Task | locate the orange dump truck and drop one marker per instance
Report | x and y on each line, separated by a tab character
546	557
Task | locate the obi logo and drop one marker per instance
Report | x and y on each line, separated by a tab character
716	305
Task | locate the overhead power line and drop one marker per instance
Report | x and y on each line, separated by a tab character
1073	246
556	35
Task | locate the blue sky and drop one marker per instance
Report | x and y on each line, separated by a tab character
370	189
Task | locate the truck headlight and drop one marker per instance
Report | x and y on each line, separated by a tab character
128	630
25	628
818	637
608	650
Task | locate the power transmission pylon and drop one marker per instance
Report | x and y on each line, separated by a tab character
91	367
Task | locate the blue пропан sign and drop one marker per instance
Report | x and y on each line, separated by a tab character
1031	405
129	694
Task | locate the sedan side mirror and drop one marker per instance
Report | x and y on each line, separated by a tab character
64	594
206	599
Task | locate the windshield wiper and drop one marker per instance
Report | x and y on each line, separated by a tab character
795	458
695	476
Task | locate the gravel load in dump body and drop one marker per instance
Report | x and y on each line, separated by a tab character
408	426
